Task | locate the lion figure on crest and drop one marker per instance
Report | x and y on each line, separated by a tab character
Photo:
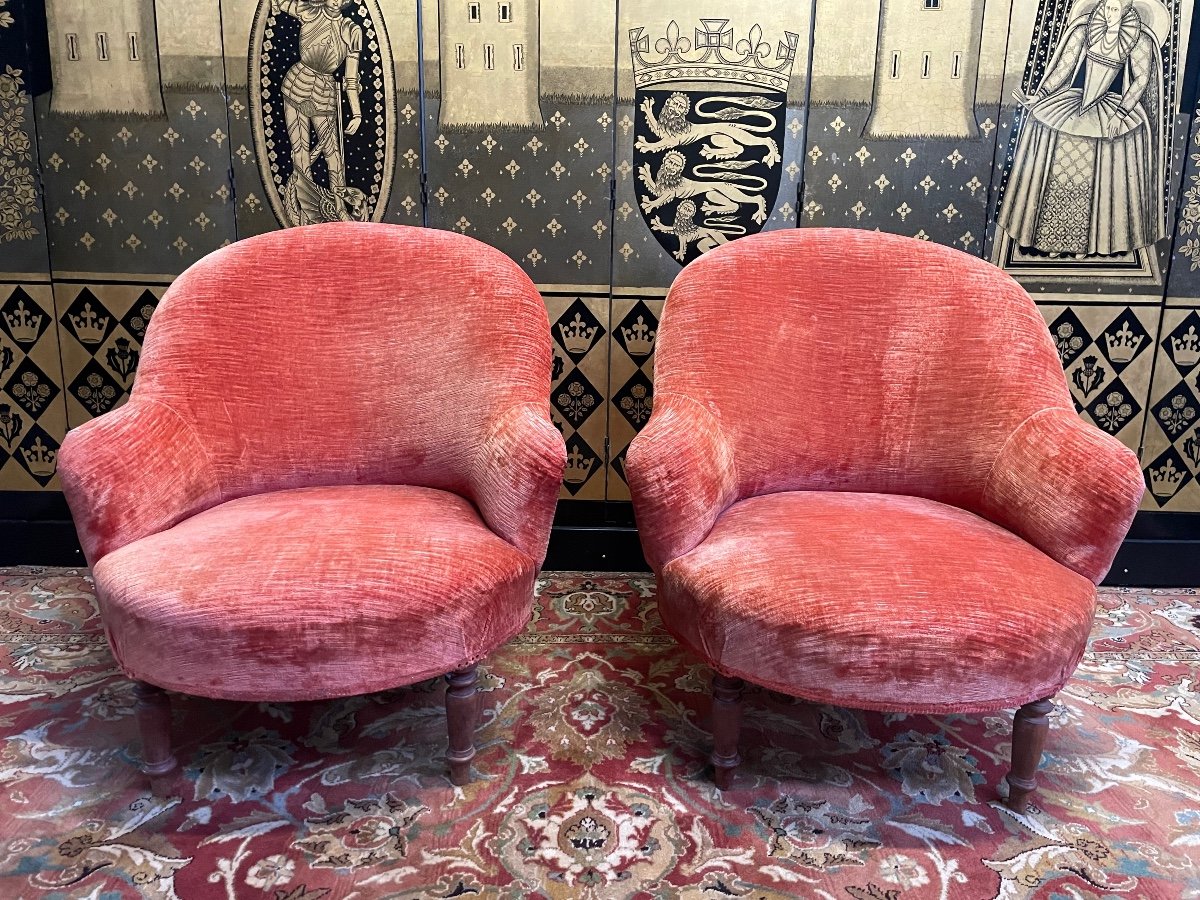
726	139
722	197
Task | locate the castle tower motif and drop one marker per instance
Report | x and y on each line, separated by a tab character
104	57
926	68
490	62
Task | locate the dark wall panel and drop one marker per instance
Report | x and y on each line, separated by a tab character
602	146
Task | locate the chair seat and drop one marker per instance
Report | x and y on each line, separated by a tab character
314	593
878	602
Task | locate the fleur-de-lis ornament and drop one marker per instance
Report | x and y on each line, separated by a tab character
754	44
673	42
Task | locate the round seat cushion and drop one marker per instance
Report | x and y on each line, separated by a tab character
314	593
881	602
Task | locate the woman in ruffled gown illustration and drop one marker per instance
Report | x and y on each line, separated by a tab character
1086	177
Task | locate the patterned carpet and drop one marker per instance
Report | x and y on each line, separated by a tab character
592	776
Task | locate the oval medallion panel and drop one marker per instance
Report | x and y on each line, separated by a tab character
322	101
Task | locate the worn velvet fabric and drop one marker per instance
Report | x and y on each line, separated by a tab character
932	608
864	474
399	580
336	472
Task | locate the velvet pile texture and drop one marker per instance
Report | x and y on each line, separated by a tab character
864	481
336	488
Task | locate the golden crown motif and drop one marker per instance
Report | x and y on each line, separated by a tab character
1164	480
23	324
577	335
40	459
578	467
713	56
1186	349
89	325
1124	344
639	338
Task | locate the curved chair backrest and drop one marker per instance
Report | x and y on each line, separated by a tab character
858	361
346	353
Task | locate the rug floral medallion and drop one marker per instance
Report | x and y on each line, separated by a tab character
591	775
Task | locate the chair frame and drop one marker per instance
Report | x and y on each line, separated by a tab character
1031	724
462	719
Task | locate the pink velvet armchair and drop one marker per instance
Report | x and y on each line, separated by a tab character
864	484
336	474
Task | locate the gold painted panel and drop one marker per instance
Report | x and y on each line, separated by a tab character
101	329
579	328
32	413
1171	454
133	138
1107	352
635	330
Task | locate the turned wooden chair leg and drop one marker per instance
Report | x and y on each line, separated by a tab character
726	724
1031	723
462	716
154	722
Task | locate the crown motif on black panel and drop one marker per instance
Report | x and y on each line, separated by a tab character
715	55
1164	479
1186	348
577	335
639	338
23	324
40	459
1123	344
579	467
90	325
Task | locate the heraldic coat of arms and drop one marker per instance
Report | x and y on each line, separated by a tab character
321	100
708	132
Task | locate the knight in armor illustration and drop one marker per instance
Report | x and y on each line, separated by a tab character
312	103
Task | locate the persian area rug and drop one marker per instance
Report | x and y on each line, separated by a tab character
592	781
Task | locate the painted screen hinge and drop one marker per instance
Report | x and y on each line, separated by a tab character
612	193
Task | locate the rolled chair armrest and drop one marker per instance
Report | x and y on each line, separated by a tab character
682	475
134	472
1067	488
517	475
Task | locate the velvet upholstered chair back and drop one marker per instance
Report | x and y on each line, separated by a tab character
346	354
857	361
